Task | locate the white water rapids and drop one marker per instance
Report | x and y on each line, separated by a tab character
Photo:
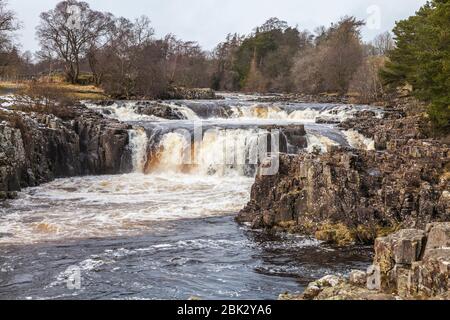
173	178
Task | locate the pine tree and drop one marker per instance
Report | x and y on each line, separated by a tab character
422	59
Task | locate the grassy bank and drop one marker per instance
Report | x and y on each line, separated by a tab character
71	91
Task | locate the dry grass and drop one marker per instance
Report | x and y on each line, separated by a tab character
81	92
73	91
7	87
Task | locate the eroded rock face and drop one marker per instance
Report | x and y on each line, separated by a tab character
12	158
415	263
349	195
36	148
396	253
191	94
412	264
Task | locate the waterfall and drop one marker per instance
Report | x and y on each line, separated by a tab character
138	145
319	143
358	141
219	152
236	137
192	110
188	113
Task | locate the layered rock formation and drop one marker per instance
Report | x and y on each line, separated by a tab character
36	147
191	94
307	98
160	110
410	264
349	195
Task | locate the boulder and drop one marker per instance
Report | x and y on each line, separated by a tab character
399	271
358	278
315	288
160	110
410	268
438	236
181	93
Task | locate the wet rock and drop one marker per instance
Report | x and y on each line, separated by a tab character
296	138
159	110
321	120
38	147
268	219
104	103
291	139
299	98
257	223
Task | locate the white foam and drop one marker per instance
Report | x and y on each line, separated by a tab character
220	152
358	141
117	205
317	142
138	145
260	111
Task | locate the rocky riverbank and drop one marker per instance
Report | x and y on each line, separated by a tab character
410	264
307	98
38	145
180	93
350	196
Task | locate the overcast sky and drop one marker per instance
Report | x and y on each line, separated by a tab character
209	21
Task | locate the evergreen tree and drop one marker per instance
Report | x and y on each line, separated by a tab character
422	59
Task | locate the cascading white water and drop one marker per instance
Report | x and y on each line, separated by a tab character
319	143
174	152
125	112
245	111
220	152
337	113
188	114
138	145
358	141
259	112
227	150
181	181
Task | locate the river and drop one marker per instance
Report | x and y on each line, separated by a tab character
166	231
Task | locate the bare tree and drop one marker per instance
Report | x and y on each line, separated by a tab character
187	63
8	24
366	82
383	43
70	30
330	65
142	30
132	63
